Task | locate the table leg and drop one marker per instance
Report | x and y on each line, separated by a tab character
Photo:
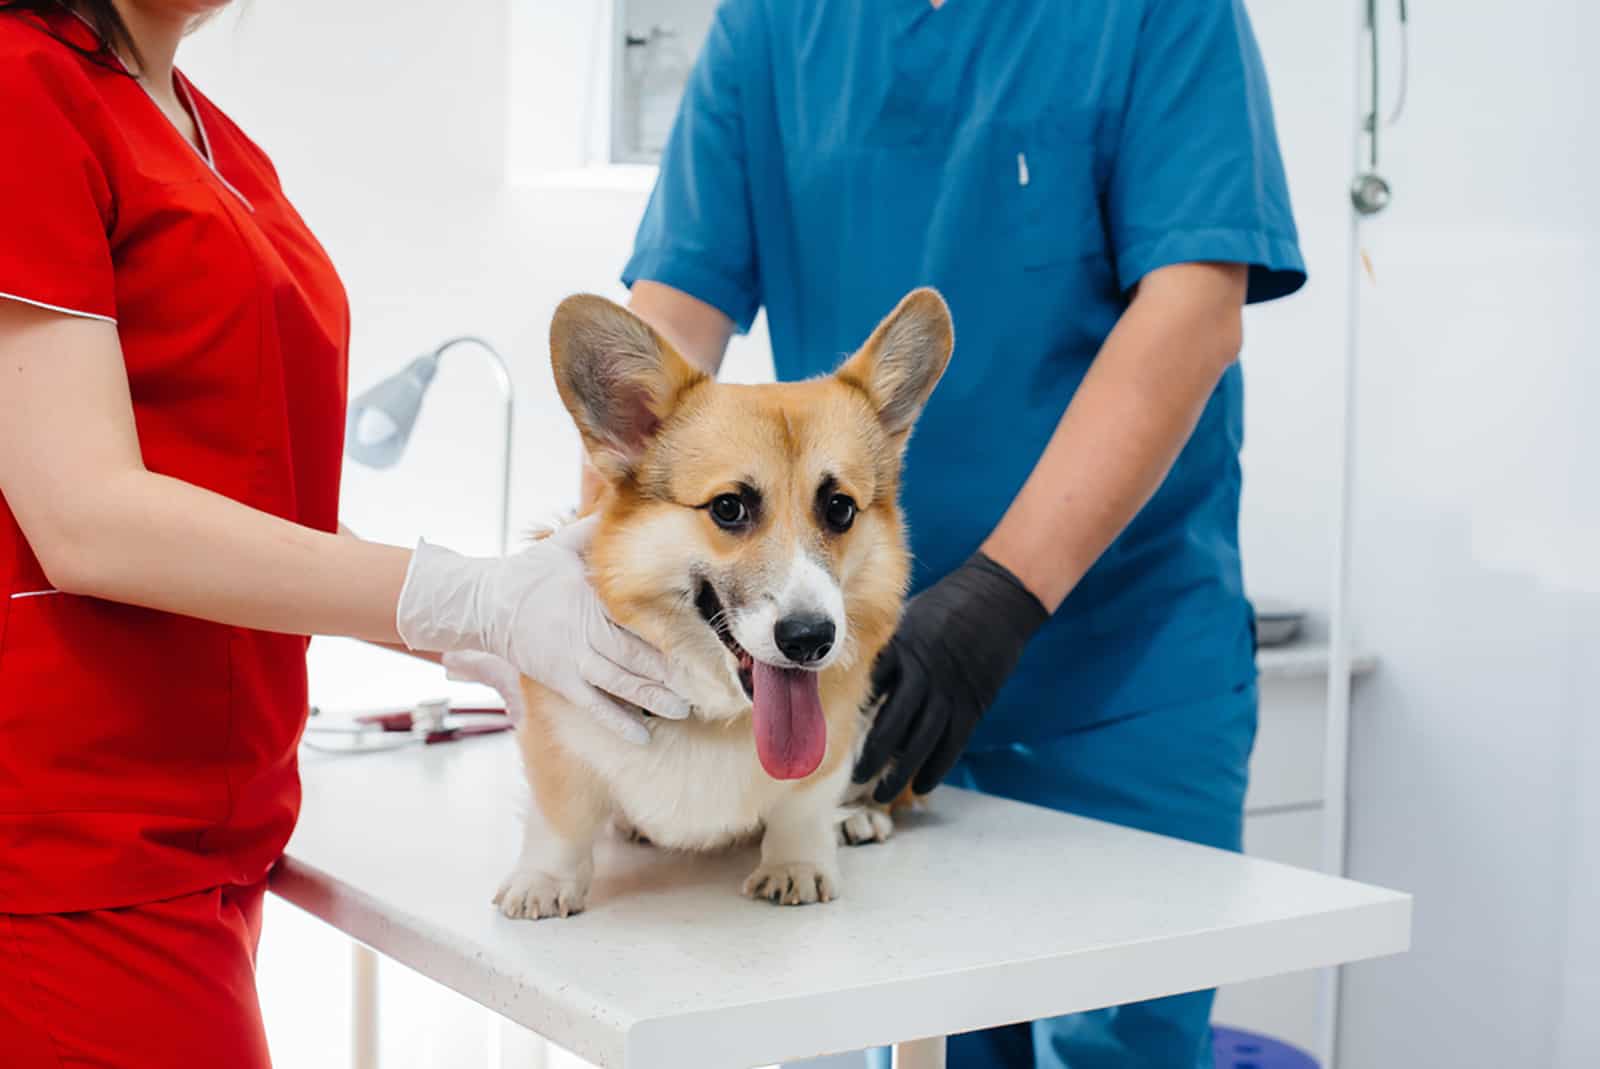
363	1008
920	1054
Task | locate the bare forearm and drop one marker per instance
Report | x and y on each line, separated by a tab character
698	331
395	647
154	541
1124	428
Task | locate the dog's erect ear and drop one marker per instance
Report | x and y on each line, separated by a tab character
618	378
902	362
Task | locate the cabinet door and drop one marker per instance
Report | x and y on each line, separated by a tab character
654	45
1286	765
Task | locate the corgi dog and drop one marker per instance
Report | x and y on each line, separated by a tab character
753	534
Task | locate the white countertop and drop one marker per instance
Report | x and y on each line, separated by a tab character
977	913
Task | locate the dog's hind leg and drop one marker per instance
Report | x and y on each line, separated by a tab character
863	821
867	823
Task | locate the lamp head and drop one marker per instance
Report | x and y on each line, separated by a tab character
381	419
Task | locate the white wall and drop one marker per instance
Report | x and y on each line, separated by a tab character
1476	579
1577	1024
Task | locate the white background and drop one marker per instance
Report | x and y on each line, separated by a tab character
1475	750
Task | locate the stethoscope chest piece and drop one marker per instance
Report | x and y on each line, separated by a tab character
1370	193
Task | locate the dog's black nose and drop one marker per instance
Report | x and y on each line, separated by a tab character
804	638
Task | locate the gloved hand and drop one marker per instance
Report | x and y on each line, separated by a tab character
536	610
958	641
470	666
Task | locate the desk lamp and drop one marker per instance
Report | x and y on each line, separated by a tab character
381	419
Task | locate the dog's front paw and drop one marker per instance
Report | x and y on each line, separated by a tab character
530	894
866	825
792	883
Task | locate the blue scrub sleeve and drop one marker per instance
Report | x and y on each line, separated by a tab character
697	234
1197	175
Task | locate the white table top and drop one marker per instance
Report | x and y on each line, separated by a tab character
978	912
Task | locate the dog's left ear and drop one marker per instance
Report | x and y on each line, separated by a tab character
904	359
618	378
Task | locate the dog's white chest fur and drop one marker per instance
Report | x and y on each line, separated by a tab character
696	786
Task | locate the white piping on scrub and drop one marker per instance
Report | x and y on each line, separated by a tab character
205	139
33	593
182	83
57	308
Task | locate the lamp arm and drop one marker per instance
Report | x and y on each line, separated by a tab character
503	374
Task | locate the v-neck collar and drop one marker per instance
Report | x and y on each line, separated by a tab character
186	100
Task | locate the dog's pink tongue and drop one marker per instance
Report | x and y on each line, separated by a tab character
791	735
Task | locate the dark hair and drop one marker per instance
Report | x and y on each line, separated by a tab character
103	18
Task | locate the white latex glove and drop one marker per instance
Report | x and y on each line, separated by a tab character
470	666
536	610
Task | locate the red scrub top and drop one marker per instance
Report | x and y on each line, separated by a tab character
145	755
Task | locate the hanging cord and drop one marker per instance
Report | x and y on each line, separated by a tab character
1405	65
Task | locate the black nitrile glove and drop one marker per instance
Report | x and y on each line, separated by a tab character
958	641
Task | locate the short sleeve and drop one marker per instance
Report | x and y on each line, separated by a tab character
697	234
55	198
1197	174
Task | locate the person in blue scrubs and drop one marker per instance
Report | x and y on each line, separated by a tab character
1096	189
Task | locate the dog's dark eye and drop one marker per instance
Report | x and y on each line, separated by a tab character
729	511
840	512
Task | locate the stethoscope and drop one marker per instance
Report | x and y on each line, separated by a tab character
1371	193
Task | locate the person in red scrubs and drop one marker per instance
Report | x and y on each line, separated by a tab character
172	394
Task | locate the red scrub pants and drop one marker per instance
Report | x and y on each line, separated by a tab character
169	985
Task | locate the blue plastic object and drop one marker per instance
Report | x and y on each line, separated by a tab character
1235	1048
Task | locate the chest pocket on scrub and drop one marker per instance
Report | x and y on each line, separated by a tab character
1054	200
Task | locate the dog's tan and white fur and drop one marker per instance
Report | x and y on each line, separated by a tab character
668	441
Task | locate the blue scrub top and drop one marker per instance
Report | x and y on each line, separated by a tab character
1032	160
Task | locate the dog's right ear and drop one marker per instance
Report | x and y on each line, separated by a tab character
618	378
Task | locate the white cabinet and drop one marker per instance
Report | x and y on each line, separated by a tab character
653	48
1286	766
593	87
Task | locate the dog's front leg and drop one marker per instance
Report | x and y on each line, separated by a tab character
569	812
552	875
800	847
